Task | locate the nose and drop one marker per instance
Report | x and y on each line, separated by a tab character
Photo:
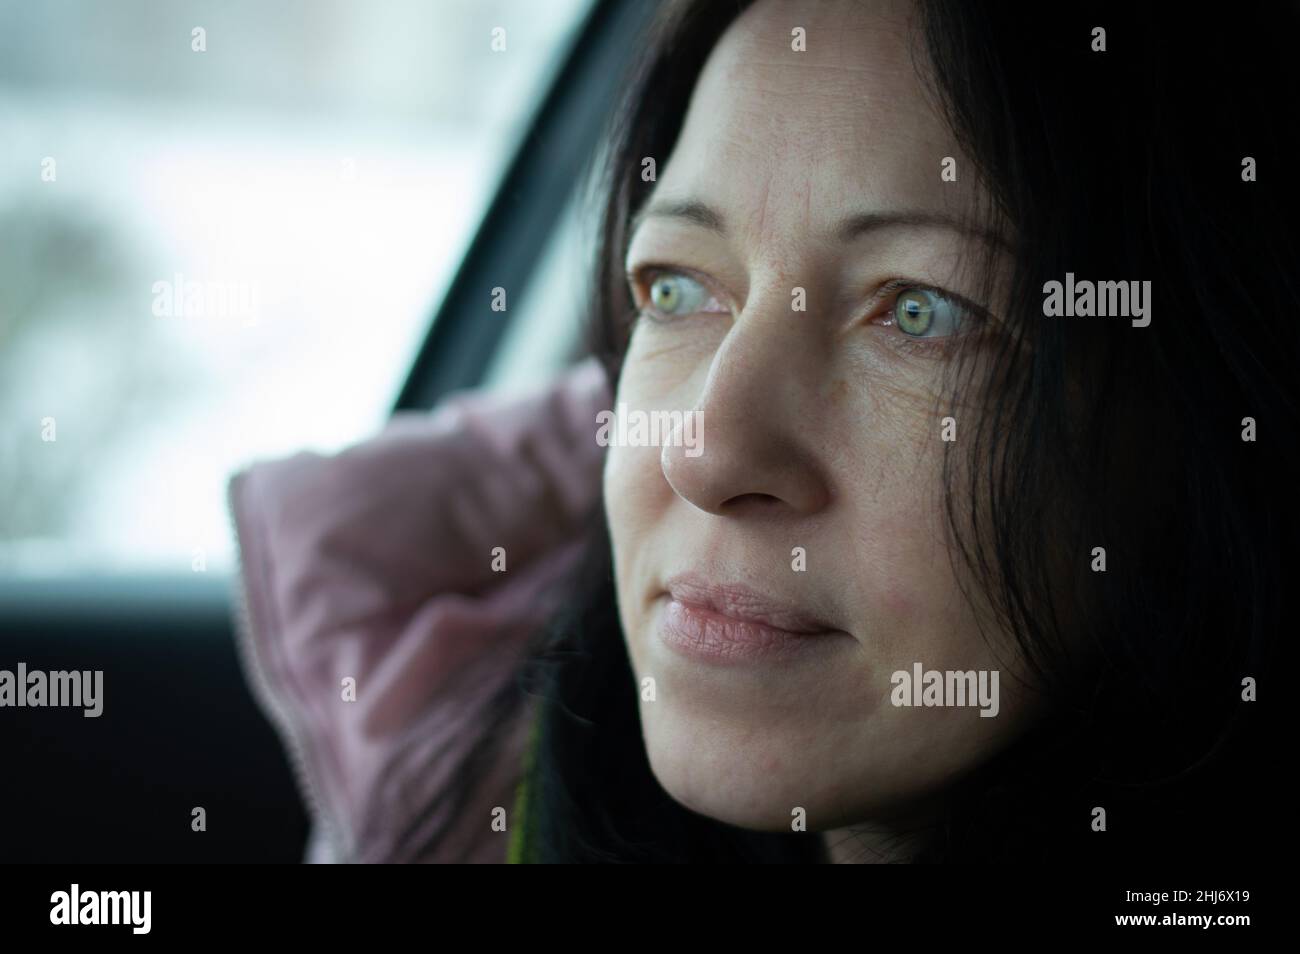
754	448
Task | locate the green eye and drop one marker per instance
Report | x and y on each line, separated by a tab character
925	314
672	293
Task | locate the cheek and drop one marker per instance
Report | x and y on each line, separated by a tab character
635	497
894	533
634	488
905	595
913	611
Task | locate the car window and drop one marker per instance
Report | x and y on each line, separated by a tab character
226	227
546	330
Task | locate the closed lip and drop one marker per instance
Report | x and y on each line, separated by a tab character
744	604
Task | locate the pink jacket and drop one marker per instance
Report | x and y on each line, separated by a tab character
376	565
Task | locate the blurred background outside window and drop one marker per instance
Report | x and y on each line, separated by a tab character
222	254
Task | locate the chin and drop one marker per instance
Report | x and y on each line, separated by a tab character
743	783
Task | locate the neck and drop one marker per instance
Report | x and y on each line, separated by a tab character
896	840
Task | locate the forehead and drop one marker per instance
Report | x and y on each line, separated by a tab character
776	137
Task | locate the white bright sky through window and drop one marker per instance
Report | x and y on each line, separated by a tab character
330	158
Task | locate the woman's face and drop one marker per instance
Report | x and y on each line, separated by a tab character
778	565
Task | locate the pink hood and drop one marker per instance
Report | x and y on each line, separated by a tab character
376	565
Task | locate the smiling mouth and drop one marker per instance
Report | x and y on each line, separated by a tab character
734	623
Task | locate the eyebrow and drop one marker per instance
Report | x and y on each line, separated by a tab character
850	228
691	210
